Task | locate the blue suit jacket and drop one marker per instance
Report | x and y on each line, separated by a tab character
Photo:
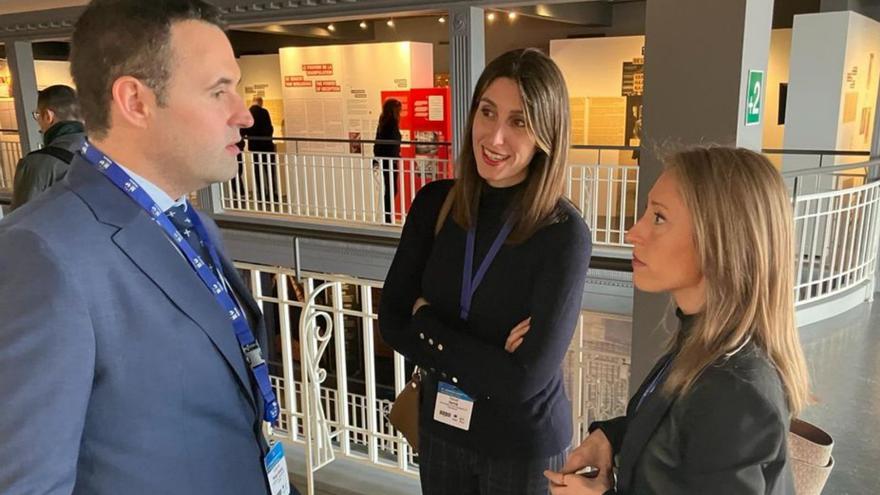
119	372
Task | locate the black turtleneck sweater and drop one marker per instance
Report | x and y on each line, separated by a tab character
521	410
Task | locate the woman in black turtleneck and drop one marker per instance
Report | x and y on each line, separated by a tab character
713	415
493	411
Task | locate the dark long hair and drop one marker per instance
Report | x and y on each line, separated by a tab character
546	108
390	112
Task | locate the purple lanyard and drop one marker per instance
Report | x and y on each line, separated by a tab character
469	283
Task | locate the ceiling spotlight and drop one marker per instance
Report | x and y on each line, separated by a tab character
331	27
511	16
390	23
442	20
363	24
490	16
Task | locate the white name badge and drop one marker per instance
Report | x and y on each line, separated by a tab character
453	407
276	470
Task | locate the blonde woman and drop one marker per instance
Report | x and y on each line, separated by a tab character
712	416
488	305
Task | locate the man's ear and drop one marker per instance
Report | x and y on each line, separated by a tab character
134	103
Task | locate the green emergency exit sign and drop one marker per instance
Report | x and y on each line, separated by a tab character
755	97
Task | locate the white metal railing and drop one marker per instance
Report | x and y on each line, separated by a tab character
606	195
597	368
353	363
326	324
837	229
352	189
333	188
10	154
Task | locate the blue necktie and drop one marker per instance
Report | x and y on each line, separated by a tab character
177	215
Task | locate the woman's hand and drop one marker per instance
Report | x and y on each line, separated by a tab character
594	451
515	339
421	301
575	484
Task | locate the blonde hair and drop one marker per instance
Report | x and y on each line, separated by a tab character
743	235
546	111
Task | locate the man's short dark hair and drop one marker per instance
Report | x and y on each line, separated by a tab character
61	100
115	38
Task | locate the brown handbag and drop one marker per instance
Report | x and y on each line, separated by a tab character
809	449
404	414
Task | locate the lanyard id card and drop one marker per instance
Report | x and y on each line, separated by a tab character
276	470
453	407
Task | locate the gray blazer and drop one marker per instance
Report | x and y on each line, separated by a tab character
119	372
727	436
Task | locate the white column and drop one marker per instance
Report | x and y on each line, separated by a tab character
467	45
24	87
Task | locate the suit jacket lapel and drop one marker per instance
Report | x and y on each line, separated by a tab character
641	426
152	252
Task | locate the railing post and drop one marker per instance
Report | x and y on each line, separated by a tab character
876	219
211	198
313	343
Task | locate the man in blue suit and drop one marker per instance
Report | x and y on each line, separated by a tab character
129	356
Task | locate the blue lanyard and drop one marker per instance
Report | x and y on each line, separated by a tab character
247	342
469	280
659	377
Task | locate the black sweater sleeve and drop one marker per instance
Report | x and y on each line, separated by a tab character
555	301
404	280
614	430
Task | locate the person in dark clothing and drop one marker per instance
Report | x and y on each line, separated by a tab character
388	153
493	412
59	119
713	414
263	152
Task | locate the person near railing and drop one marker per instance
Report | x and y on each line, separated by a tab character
130	348
713	414
488	307
263	152
387	153
60	123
